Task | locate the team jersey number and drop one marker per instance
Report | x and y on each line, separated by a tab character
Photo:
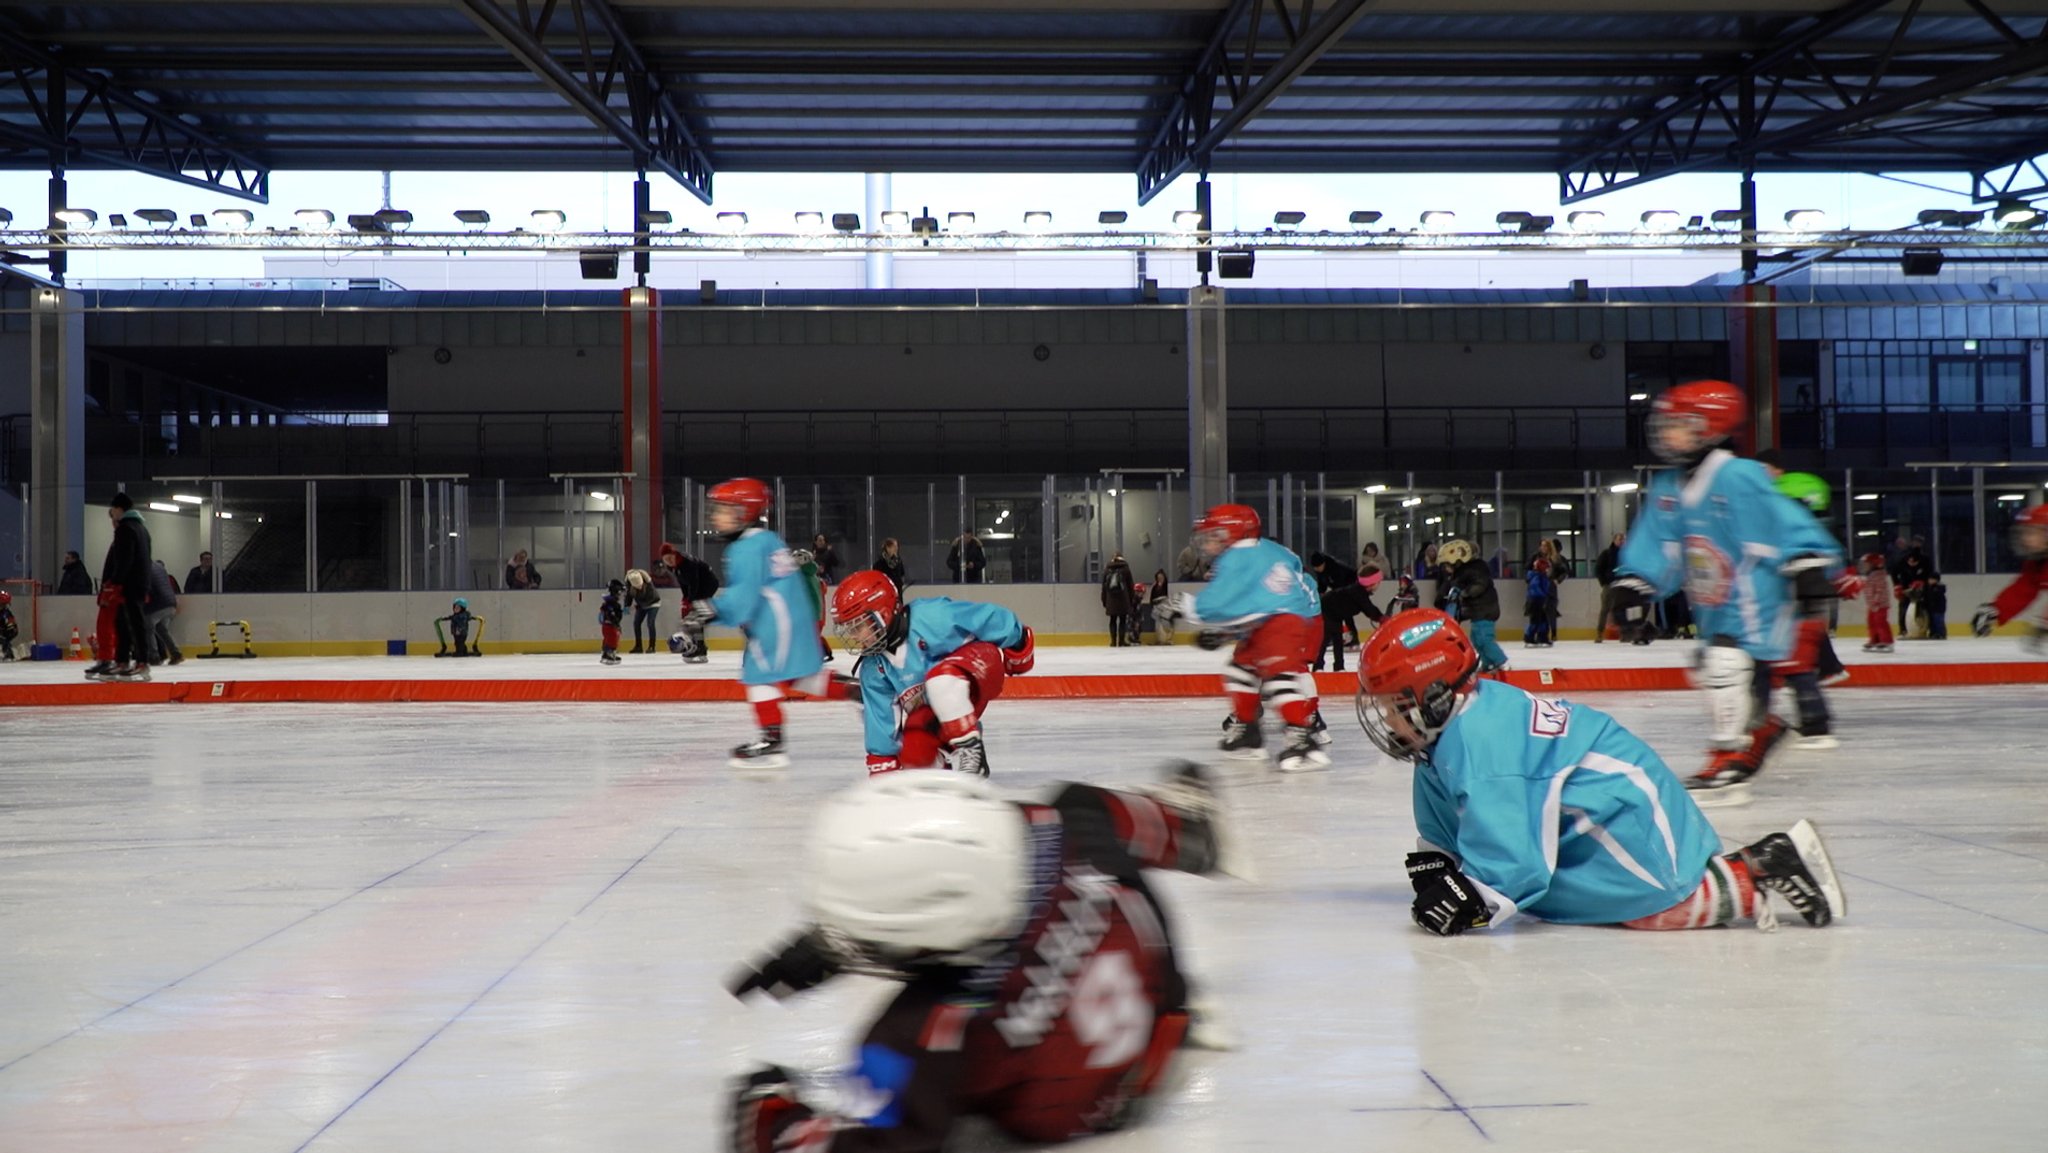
1112	1016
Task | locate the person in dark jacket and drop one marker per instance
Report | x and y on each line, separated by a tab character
890	563
1604	567
967	560
1341	593
73	580
696	582
163	605
199	578
1468	588
519	572
1119	600
826	557
1911	568
124	587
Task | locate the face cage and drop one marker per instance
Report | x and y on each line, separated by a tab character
2022	547
1211	542
873	640
1426	719
739	514
1691	423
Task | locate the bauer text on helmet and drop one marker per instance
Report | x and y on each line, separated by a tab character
1411	676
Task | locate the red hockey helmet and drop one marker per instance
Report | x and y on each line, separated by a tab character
1872	561
865	611
1410	676
2030	532
746	497
6	598
1691	418
1225	525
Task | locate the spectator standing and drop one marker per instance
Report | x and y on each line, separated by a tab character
1337	582
646	602
1556	571
827	559
966	561
199	578
1155	595
890	563
1541	607
163	605
1910	574
1119	599
72	580
519	572
1604	567
124	587
1189	565
1426	564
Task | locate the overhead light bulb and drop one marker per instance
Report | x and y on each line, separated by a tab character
1557	506
1439	220
1411	502
160	506
1586	220
733	221
182	498
77	217
1375	488
1038	220
895	220
1806	220
959	220
318	219
233	219
810	222
1624	486
1187	220
548	219
1660	220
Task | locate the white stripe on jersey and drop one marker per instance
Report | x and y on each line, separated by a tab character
1587	826
1602	763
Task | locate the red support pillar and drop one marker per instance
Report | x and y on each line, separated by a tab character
644	511
1753	359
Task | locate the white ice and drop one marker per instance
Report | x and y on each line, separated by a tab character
271	928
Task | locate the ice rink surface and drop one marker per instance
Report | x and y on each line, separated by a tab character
271	928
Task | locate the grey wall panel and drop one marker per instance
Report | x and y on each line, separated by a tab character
1508	375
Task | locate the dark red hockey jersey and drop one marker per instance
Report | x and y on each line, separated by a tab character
2015	597
1055	1039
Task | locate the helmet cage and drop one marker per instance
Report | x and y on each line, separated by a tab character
1405	726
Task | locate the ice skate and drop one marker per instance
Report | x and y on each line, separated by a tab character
1301	754
967	755
1318	730
99	670
1794	865
609	658
763	752
136	672
1243	740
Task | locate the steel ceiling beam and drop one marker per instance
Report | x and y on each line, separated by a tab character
1708	129
2020	180
649	124
1230	68
63	102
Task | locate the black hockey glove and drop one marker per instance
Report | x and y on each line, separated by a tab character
1425	867
1449	905
1985	621
804	963
764	1105
1634	601
1209	640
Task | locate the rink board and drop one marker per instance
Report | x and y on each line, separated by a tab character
1138	686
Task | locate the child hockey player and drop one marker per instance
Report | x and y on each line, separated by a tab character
1258	593
1554	810
2030	542
1040	985
1407	596
1877	604
927	671
611	612
1747	557
1536	634
763	597
1934	601
9	630
1475	602
458	619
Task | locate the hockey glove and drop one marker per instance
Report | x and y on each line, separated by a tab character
804	963
764	1106
1180	608
1848	586
1634	598
1985	620
1449	905
1209	640
1426	867
1018	661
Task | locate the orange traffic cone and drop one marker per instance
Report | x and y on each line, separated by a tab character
77	646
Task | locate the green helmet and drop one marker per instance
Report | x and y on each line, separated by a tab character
1807	489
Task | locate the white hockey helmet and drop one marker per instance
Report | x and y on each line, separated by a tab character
917	866
1455	552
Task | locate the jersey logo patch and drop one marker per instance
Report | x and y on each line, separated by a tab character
1709	574
874	1090
1278	580
1549	719
781	564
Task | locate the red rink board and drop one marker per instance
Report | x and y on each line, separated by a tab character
1128	687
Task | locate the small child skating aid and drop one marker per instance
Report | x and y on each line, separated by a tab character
458	621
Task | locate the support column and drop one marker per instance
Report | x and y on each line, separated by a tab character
56	430
1753	359
642	518
1208	402
880	273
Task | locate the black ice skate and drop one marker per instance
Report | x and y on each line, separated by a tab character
763	752
968	756
608	657
1318	731
1794	865
1301	754
98	670
1242	740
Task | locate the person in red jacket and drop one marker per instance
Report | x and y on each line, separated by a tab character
1877	604
2030	541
